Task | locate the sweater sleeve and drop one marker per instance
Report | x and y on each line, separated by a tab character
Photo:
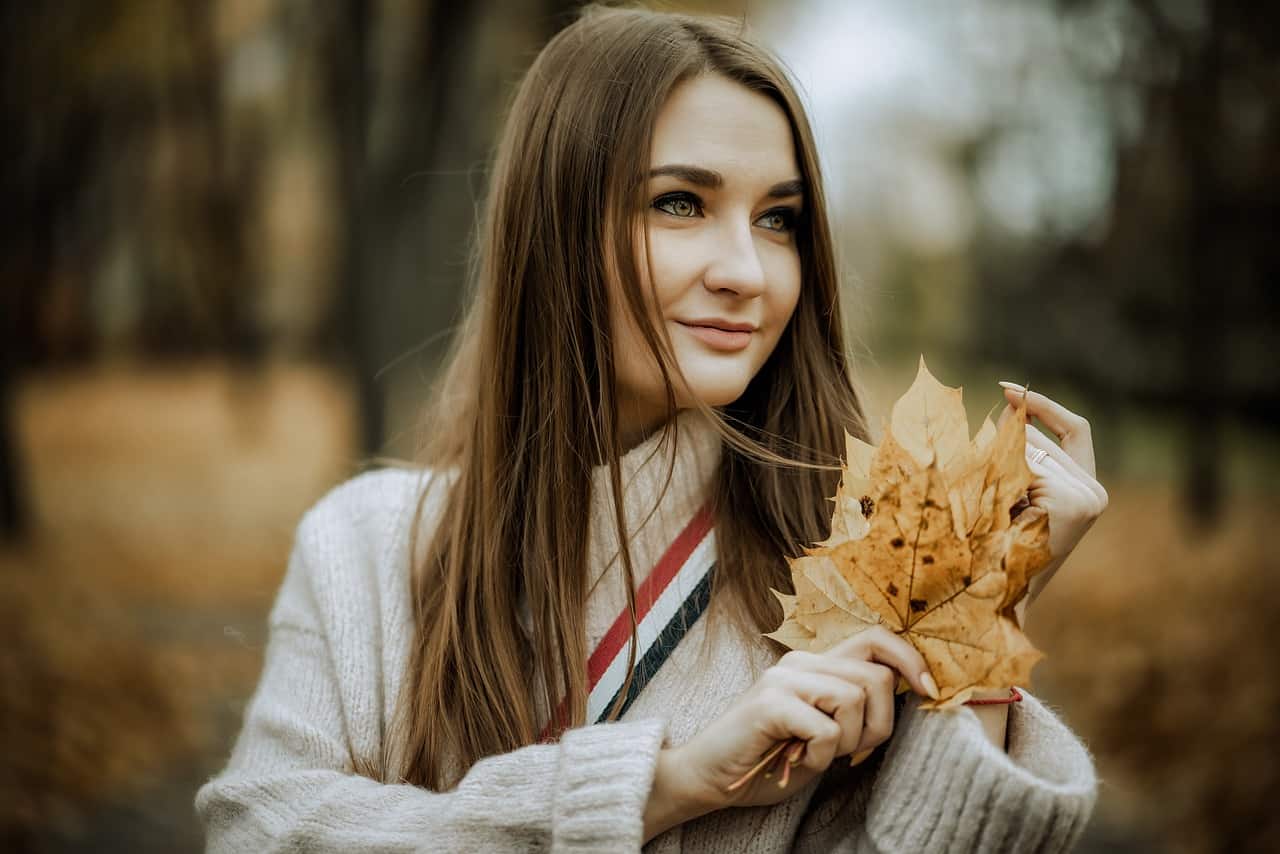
942	786
290	785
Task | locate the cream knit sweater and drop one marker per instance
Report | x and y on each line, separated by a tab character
339	635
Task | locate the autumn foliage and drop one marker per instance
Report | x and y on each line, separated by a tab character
923	543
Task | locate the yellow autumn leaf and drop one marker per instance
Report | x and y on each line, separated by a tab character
922	542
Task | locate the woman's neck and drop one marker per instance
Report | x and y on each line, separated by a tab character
636	425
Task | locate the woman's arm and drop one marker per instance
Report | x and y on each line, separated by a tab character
289	784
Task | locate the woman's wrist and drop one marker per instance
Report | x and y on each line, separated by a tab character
671	801
994	718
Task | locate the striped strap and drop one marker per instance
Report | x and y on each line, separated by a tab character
668	603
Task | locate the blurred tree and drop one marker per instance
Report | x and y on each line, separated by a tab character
159	154
1169	297
130	242
418	90
121	238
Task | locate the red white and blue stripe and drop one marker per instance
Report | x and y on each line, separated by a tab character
668	603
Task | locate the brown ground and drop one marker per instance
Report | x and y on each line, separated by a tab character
132	625
165	502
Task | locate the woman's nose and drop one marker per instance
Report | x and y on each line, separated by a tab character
735	264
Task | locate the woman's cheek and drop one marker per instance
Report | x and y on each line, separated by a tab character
784	291
674	268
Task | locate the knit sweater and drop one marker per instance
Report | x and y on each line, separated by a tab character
339	637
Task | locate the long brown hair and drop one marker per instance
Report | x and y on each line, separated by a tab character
526	408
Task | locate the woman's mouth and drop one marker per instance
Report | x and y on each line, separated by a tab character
719	339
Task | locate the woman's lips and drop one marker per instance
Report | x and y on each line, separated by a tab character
719	339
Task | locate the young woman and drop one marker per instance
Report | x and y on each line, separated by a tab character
642	418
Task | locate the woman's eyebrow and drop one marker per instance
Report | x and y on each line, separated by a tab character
794	187
702	177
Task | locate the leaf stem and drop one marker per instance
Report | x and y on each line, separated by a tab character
765	760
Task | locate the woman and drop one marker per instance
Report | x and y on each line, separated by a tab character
507	649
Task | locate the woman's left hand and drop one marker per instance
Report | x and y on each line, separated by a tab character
1063	483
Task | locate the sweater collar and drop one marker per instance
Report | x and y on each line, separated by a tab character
653	519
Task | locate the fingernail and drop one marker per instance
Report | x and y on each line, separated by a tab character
1013	386
930	685
860	757
793	753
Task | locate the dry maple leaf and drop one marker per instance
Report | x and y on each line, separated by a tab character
922	542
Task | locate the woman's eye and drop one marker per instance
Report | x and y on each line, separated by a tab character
679	204
686	205
780	219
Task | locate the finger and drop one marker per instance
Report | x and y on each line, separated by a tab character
1048	476
843	700
1048	473
878	711
1071	429
795	718
1063	497
1046	502
878	683
1037	439
884	647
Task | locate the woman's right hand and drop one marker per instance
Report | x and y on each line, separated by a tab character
840	702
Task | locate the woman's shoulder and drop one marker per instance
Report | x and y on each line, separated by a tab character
352	533
368	497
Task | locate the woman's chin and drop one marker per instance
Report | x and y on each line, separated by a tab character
718	393
716	380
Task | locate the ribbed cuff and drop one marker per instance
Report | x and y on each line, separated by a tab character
603	785
944	786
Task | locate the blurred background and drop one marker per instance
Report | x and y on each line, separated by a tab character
237	250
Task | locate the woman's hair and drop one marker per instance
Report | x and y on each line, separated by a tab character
526	406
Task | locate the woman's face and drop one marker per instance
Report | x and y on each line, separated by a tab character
724	195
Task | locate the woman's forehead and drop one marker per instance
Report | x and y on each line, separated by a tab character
713	123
